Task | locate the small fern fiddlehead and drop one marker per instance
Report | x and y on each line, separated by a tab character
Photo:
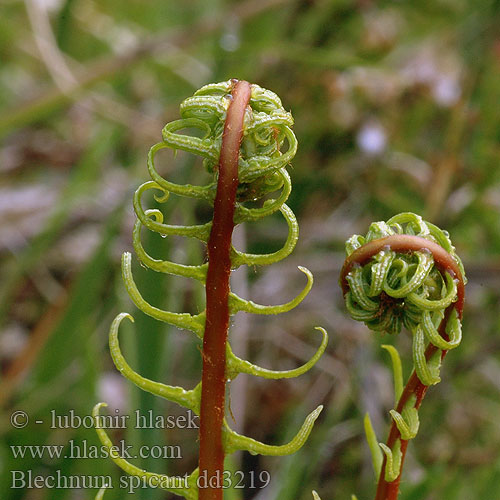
244	128
405	272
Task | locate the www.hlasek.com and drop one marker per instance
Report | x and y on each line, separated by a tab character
82	449
228	479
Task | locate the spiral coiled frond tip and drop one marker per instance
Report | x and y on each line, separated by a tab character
405	273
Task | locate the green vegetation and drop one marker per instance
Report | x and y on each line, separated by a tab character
405	272
395	110
244	128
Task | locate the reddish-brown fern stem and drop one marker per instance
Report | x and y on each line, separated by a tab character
445	264
211	460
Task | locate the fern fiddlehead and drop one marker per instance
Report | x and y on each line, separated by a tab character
405	272
244	128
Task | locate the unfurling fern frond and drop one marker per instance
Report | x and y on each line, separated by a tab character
405	273
265	147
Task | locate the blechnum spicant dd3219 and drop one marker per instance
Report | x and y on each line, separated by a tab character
243	129
405	272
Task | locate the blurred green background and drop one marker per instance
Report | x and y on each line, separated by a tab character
396	106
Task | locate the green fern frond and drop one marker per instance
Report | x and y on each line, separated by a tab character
267	147
405	273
